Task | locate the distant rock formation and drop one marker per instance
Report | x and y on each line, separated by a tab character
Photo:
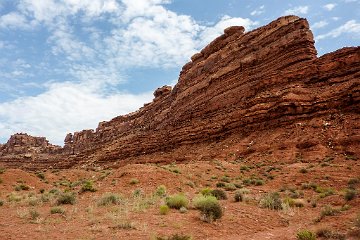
239	90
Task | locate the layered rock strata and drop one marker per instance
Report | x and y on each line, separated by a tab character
240	85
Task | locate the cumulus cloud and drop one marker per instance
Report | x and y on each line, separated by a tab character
258	11
297	10
319	24
209	33
141	34
330	6
350	27
65	107
15	20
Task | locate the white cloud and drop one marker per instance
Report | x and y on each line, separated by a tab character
330	6
297	10
319	24
65	107
209	33
258	11
350	27
14	20
143	34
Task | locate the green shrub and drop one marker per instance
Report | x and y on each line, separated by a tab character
209	207
225	179
134	181
253	181
303	170
66	198
164	209
353	181
21	187
220	184
271	201
206	191
109	198
1	202
13	197
161	191
230	187
219	194
177	201
2	170
88	186
239	196
34	214
55	191
1	181
324	192
56	210
328	211
244	168
350	194
305	235
33	201
40	175
138	193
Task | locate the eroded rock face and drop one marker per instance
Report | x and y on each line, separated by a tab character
22	143
240	89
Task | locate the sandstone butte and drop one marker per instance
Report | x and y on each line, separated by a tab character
249	94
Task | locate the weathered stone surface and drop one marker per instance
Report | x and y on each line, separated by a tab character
262	91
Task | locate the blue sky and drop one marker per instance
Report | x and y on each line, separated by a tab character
66	65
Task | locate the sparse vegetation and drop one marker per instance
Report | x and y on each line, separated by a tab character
164	209
350	194
327	211
66	198
328	234
219	194
253	181
34	214
324	192
13	197
2	170
161	191
209	207
174	237
230	187
303	170
88	186
57	210
1	202
271	201
305	235
109	198
177	201
40	175
22	187
134	181
125	225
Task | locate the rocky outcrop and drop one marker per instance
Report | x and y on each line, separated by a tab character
22	143
239	89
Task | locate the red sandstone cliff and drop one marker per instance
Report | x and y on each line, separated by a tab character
261	92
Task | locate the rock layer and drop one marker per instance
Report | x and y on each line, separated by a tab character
240	88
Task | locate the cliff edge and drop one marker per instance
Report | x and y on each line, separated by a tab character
254	94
